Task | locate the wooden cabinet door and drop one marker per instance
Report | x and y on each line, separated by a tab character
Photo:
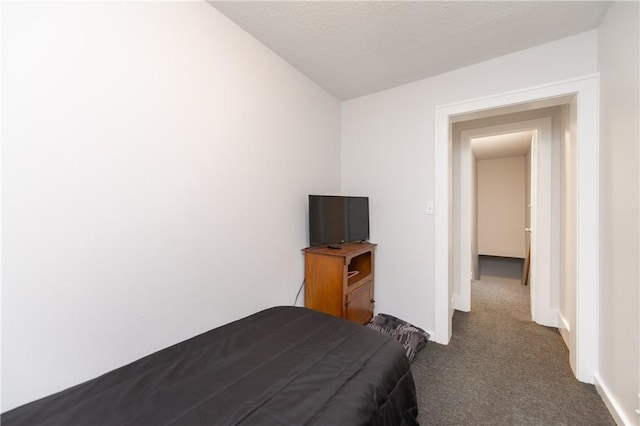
359	303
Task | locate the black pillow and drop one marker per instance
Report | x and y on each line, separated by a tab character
411	337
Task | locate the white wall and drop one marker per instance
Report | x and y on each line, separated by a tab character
501	200
619	249
388	150
156	162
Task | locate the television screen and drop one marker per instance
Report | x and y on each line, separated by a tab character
357	219
337	219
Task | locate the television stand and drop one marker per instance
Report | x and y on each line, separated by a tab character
340	282
335	246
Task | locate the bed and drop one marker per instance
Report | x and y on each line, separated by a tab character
280	366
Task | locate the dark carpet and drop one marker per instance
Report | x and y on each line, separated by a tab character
500	368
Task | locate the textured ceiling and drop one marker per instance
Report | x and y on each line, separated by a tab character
353	48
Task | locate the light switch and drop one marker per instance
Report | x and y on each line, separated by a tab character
430	208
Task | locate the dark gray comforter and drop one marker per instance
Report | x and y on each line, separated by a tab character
280	366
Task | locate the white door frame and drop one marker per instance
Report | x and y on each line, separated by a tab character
586	91
541	283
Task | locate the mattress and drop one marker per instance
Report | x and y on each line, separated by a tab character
280	366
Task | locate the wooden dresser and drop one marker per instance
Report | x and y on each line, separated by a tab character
340	281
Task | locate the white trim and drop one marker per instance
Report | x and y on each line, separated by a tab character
460	107
463	248
586	90
536	248
614	407
564	328
442	320
563	323
587	313
457	303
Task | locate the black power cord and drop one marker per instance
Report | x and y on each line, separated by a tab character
297	295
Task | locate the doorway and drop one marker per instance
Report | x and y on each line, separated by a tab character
584	334
501	181
534	140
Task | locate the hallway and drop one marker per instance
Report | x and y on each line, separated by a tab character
501	368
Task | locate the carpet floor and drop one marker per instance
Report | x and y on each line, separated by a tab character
500	368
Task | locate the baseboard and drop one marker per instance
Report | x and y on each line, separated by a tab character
611	403
548	318
459	305
564	328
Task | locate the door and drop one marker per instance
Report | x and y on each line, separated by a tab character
359	303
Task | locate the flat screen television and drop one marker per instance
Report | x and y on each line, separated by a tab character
335	219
